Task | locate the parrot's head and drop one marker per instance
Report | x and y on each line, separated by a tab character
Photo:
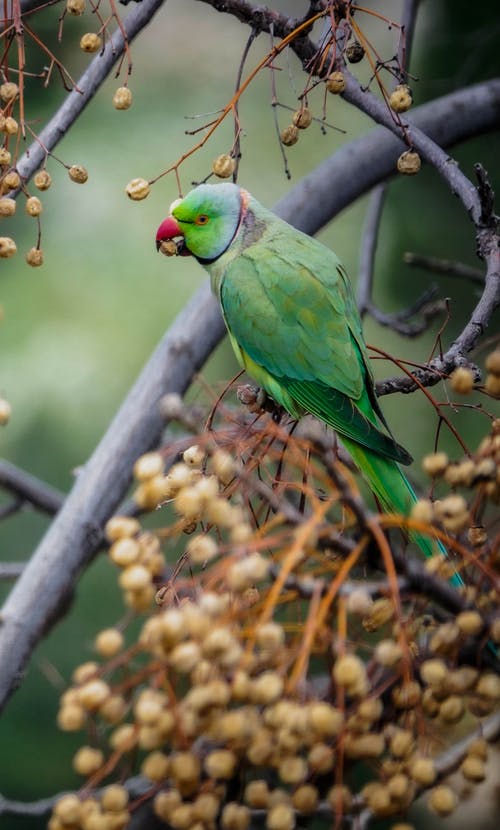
207	220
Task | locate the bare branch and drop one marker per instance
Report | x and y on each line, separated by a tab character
30	489
447	267
89	83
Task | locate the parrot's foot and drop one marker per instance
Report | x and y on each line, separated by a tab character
256	399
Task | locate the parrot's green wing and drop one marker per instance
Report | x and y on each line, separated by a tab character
290	310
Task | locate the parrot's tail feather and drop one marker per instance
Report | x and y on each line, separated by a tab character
392	488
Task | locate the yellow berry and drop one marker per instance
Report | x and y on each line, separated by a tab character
87	760
235	817
148	465
75	7
90	42
305	799
78	173
388	653
121	527
84	672
71	718
469	622
223	166
280	817
202	549
409	163
5	156
42	180
290	135
401	98
124	552
221	763
462	380
93	693
7	247
335	83
68	809
473	768
423	771
492	363
349	671
137	189
108	642
7	206
114	798
422	511
11	127
442	800
34	257
492	385
134	578
194	456
122	99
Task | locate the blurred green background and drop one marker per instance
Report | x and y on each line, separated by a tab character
77	331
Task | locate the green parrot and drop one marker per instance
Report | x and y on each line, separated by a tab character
294	326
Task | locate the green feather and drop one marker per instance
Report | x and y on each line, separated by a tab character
294	326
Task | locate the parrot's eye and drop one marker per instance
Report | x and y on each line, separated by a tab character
202	219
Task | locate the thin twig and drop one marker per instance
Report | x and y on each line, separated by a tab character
30	489
447	267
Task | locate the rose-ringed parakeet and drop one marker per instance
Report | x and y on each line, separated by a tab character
293	323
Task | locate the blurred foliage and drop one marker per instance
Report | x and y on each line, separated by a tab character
77	331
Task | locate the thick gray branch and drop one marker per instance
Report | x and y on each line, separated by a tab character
76	532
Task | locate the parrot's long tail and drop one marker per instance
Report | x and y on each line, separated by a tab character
390	485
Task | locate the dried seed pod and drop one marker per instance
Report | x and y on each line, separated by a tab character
355	52
11	127
401	98
33	206
90	42
8	91
5	156
409	163
7	206
78	173
290	135
11	180
42	180
335	83
34	257
137	189
122	99
7	247
302	118
223	166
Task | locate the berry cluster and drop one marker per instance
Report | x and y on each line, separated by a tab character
272	670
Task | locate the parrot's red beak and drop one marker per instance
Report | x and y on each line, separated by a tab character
167	232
